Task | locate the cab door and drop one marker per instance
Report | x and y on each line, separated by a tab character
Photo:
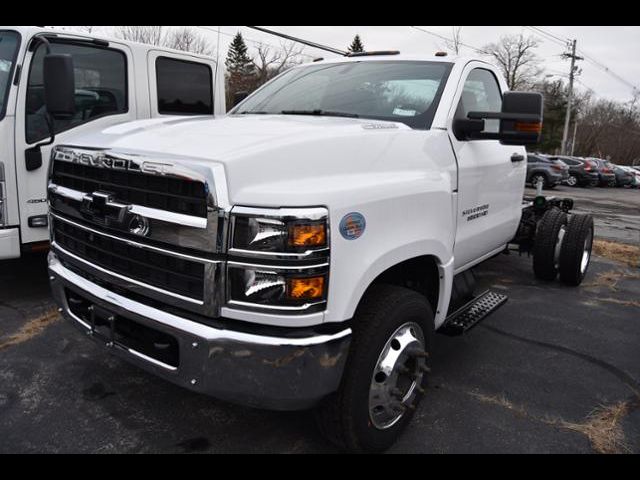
490	175
104	96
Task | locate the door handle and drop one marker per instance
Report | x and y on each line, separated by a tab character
516	157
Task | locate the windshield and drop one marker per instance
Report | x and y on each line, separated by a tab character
397	91
8	49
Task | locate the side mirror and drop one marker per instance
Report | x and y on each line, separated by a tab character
59	85
520	121
239	97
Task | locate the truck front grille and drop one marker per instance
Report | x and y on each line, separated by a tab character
167	272
176	195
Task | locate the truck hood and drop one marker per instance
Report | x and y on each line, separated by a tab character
266	155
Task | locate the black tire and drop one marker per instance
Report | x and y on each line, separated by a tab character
343	418
576	249
544	248
573	181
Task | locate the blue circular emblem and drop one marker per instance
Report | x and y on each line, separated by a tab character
352	226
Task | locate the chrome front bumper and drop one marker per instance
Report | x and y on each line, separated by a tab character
290	372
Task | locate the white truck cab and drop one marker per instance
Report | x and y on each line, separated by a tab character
303	250
115	82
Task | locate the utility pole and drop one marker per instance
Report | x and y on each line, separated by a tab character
572	72
575	134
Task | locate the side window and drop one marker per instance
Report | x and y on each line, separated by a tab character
481	93
101	87
184	88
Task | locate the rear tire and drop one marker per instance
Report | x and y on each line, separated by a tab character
572	181
575	254
351	418
545	249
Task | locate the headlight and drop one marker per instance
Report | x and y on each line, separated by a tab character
279	231
279	259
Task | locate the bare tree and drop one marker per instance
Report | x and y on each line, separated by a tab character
455	44
515	56
152	35
188	40
270	62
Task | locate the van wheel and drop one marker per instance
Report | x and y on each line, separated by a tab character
575	254
546	248
385	373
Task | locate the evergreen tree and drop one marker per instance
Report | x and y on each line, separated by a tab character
357	45
241	74
238	61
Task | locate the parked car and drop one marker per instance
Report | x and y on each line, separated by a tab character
582	172
635	175
547	170
607	178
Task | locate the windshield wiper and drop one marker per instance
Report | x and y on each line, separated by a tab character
249	112
320	113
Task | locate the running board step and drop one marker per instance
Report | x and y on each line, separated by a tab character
473	313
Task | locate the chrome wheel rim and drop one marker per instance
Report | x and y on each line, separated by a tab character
572	181
397	376
586	252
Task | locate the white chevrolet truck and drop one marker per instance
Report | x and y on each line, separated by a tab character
116	81
302	251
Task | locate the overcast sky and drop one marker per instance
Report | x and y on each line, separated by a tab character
615	47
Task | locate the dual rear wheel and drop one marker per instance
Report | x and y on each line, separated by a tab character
563	247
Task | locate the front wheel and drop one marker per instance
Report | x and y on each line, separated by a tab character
385	373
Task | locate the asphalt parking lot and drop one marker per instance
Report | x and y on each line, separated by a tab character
556	370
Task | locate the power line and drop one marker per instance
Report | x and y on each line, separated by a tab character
538	33
250	40
551	36
447	39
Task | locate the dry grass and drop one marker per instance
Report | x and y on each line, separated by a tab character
602	428
628	254
500	401
31	329
626	303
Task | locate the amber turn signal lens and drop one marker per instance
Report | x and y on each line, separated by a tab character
529	127
311	235
305	288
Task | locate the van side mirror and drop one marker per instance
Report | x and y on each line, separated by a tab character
239	97
520	121
59	85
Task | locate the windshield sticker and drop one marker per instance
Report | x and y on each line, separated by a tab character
401	112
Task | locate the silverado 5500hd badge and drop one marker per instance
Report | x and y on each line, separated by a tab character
476	212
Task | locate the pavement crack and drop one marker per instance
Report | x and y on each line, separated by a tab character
624	377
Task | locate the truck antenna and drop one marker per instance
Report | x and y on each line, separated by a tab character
299	40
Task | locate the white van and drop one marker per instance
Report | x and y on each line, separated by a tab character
116	81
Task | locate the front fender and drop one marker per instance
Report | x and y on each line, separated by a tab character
418	223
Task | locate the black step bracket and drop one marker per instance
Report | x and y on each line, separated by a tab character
468	316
